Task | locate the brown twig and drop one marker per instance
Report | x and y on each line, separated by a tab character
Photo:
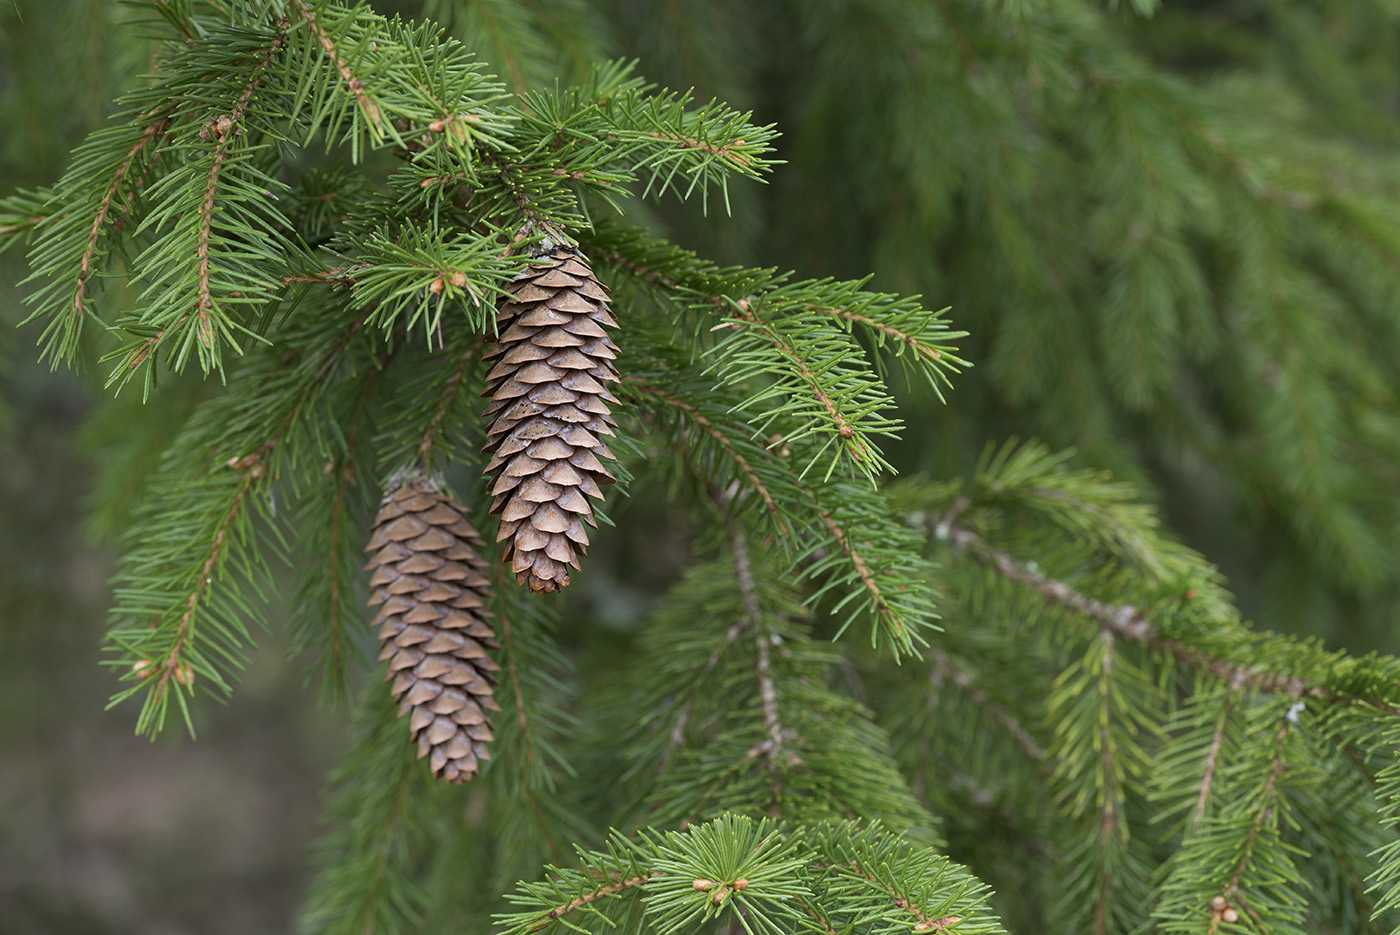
450	387
152	134
356	86
923	350
227	132
941	667
882	608
1217	740
724	151
773	750
723	441
589	897
1128	622
789	350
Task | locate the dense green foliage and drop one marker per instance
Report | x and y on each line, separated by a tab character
989	692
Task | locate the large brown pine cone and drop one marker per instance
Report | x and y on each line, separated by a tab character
549	411
429	583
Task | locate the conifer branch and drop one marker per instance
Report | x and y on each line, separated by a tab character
822	923
1217	740
363	99
585	898
226	130
941	668
721	439
450	389
346	474
150	137
923	349
1262	810
676	736
772	750
789	350
533	761
883	611
171	665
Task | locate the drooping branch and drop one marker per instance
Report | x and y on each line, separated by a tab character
1130	623
789	351
903	337
694	414
450	388
510	655
150	137
1217	740
592	895
366	103
773	750
226	130
941	668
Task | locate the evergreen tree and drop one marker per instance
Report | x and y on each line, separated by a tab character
992	694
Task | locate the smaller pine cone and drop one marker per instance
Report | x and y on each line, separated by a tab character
429	583
549	414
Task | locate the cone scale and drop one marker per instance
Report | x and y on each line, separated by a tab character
548	415
429	583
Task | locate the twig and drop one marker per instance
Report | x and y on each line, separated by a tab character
919	347
1130	623
1217	740
942	667
356	86
722	440
589	897
227	133
450	387
786	348
153	132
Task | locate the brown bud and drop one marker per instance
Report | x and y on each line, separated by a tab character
183	674
436	286
740	885
702	884
1217	903
437	126
720	895
1230	915
143	668
458	278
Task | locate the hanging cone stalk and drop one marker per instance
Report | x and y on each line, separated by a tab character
549	413
430	585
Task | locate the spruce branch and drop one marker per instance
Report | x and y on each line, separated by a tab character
942	668
772	750
451	390
377	808
150	138
583	899
367	105
875	576
747	469
226	130
1212	760
1136	625
183	589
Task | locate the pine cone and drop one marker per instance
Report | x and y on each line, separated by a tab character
549	402
430	586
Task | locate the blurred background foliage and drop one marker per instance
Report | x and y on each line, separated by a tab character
1175	240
